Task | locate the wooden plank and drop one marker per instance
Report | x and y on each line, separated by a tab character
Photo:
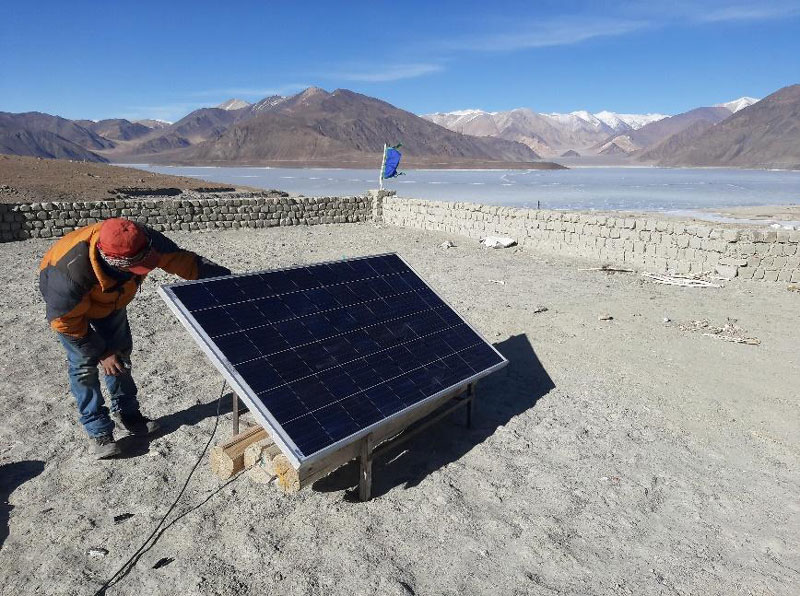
288	478
228	458
365	469
258	460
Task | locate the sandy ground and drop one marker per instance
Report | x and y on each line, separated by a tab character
30	179
611	457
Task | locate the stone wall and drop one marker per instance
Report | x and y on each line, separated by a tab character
654	244
47	220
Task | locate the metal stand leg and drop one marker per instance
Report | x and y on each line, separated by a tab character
365	472
235	416
470	403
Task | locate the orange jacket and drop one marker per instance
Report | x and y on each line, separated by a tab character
77	288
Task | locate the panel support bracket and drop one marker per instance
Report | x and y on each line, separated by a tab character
368	451
235	414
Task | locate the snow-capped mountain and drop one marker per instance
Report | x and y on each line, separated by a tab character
630	121
547	134
614	121
234	104
605	132
267	103
737	104
153	123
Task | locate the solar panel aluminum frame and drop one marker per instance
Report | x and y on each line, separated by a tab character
261	413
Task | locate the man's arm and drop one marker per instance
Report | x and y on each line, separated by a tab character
183	263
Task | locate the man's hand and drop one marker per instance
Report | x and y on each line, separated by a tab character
113	366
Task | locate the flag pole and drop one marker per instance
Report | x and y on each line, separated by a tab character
383	165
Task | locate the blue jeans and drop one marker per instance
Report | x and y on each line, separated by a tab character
84	380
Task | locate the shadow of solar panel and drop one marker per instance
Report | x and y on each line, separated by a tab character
322	354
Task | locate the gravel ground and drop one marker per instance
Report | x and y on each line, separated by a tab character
622	456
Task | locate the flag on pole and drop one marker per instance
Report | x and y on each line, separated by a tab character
391	159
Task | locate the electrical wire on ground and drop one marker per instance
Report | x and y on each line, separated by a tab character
128	565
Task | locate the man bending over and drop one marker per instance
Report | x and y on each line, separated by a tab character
87	279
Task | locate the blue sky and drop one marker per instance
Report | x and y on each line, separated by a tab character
164	59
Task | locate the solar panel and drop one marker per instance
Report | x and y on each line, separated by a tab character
324	354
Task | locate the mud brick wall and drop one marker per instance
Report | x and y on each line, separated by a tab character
47	220
649	243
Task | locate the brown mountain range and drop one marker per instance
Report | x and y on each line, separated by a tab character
344	128
763	135
41	135
317	126
314	127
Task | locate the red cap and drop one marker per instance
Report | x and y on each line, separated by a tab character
123	239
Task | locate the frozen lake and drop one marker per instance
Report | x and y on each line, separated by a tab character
634	189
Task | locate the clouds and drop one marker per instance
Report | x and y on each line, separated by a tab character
744	12
386	72
492	34
542	33
615	20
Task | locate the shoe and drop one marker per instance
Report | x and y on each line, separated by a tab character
136	424
104	447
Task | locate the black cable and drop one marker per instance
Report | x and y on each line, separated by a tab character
133	559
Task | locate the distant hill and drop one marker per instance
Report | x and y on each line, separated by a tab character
41	135
154	124
116	129
765	134
196	127
36	122
43	144
676	142
343	125
655	132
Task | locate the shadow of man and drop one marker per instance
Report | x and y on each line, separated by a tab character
133	446
11	477
500	397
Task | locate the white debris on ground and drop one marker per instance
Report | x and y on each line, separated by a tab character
498	242
730	331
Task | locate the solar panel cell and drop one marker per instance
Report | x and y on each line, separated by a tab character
330	350
194	297
307	434
237	348
266	339
336	422
215	321
226	291
361	410
284	404
259	375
